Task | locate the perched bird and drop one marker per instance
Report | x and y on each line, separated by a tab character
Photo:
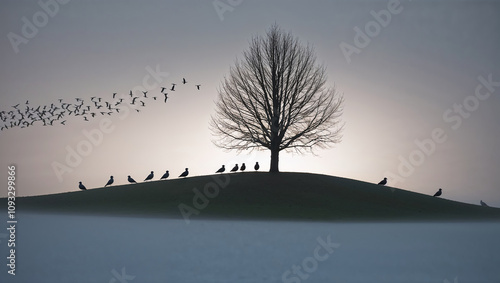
257	166
438	193
82	187
165	176
221	170
483	203
149	177
383	182
131	180
198	87
243	167
185	173
235	168
110	181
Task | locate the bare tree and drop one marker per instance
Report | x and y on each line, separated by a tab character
276	98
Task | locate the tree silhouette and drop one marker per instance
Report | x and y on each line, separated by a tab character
276	98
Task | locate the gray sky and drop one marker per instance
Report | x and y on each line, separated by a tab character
406	80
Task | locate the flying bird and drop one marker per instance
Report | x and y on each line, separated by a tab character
166	97
114	94
483	203
165	176
149	177
145	92
82	187
131	180
184	81
198	87
235	168
163	88
221	170
110	181
243	167
383	182
257	166
185	173
173	86
438	193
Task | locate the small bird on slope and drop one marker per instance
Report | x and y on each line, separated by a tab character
165	176
221	170
149	177
483	203
131	180
438	193
185	173
243	167
110	181
235	168
257	166
383	182
82	187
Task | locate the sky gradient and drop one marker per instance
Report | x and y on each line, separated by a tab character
420	81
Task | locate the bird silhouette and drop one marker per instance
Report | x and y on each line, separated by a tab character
185	173
166	97
383	182
438	193
221	170
235	168
149	177
483	203
184	81
82	187
145	94
110	181
165	176
131	180
173	87
198	87
163	88
257	166
243	167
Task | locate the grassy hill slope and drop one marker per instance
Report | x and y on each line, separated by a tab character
256	195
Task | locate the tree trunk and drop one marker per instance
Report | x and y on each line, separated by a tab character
274	160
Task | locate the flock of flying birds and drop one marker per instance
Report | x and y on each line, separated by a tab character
25	115
184	174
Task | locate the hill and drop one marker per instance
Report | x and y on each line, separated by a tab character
259	195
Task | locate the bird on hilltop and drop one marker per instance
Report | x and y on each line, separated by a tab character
165	176
185	173
221	170
235	168
257	166
383	182
483	203
82	187
110	181
438	193
243	167
131	180
149	177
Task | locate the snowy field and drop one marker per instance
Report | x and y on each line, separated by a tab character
54	248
